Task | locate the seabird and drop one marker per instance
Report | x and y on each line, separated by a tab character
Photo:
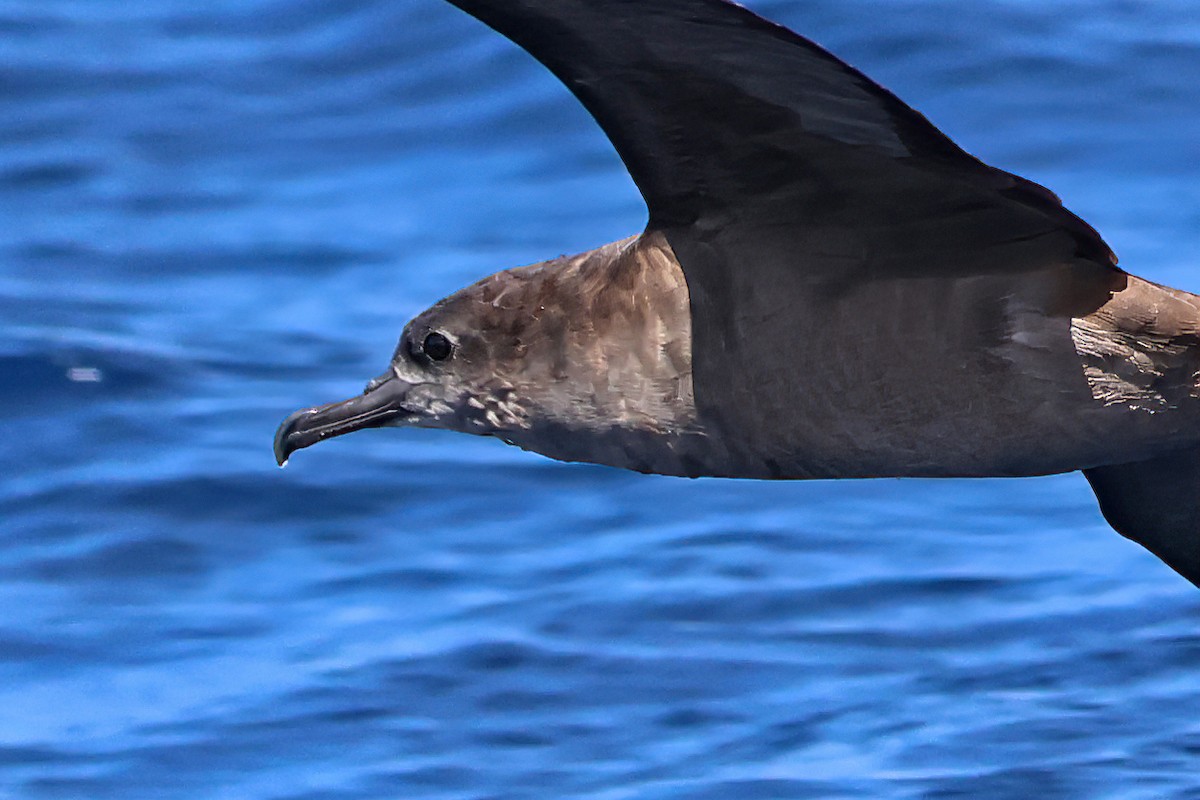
827	287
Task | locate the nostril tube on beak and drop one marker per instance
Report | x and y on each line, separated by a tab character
380	404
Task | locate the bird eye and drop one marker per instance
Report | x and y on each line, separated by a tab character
437	347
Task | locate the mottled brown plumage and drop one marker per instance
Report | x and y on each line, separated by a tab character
828	287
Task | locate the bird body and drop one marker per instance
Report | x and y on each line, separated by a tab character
969	378
827	287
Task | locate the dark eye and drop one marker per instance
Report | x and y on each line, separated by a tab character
437	347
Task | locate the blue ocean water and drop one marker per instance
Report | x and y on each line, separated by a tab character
212	214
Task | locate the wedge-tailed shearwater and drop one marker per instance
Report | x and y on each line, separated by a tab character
827	287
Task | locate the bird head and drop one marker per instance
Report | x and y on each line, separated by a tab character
560	358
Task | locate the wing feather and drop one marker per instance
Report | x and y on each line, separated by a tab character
724	118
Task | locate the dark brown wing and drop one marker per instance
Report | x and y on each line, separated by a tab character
725	118
852	273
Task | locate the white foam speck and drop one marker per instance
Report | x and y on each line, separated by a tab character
85	375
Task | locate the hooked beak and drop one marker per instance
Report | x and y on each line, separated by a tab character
381	403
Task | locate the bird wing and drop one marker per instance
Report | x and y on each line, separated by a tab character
859	285
729	122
